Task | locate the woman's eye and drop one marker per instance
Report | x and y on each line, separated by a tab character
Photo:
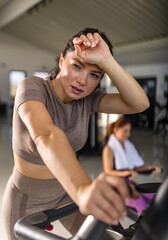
95	76
76	66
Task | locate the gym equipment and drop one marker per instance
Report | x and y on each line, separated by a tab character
154	224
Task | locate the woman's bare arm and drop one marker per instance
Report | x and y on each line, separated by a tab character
53	146
131	97
108	164
98	197
156	169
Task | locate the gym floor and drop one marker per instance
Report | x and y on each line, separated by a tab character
153	149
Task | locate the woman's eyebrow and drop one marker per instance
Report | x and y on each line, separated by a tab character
79	62
95	71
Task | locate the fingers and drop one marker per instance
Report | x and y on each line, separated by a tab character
89	40
105	202
133	175
92	40
150	167
111	198
104	215
120	186
97	37
105	198
91	48
156	170
107	212
134	194
81	54
77	41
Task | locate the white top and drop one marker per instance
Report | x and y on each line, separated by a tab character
127	158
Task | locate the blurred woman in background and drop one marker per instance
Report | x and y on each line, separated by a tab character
120	158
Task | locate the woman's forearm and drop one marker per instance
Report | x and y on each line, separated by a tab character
59	157
118	173
143	168
130	91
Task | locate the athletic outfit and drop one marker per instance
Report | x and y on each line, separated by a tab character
24	195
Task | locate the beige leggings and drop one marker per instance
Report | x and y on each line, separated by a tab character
24	196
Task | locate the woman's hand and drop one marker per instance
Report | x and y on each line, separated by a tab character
92	49
105	198
156	170
133	174
134	193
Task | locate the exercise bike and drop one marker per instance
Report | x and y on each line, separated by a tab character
153	226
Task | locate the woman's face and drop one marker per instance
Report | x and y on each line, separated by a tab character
77	79
123	133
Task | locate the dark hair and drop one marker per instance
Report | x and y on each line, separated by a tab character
121	122
70	47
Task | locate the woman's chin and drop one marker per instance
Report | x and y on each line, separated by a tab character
77	96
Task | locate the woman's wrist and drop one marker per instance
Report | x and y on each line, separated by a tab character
107	64
82	198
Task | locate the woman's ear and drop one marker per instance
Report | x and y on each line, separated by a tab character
61	60
114	130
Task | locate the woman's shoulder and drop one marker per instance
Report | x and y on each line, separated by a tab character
111	137
31	88
31	83
33	80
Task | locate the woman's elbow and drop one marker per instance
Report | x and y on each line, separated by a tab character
48	136
142	106
42	140
146	105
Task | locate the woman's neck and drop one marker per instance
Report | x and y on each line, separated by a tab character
60	91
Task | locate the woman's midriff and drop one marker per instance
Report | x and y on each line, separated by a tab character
32	170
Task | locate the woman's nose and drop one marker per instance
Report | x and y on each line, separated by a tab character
82	79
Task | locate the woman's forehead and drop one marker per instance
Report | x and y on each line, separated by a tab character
73	56
128	125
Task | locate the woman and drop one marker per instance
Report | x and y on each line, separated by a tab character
120	158
50	124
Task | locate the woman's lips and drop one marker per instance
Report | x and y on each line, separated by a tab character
76	90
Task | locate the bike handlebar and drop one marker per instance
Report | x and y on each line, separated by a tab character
30	227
